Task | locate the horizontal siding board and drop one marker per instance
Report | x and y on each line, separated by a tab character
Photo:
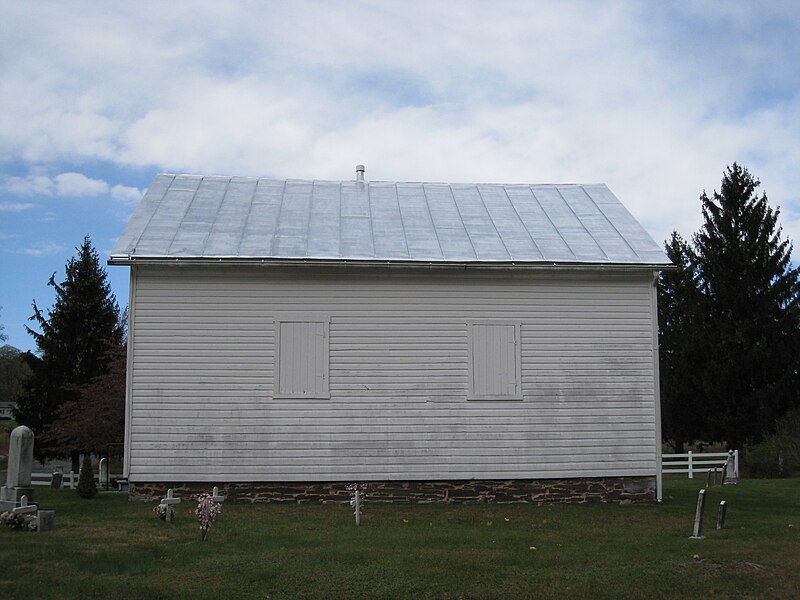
578	430
204	367
270	439
457	451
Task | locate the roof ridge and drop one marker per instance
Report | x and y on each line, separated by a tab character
386	181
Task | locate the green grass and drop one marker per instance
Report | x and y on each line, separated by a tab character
109	546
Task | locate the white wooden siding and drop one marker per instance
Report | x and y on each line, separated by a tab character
203	408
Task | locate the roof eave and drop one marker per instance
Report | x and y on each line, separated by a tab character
411	264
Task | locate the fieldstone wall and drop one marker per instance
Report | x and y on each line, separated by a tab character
605	489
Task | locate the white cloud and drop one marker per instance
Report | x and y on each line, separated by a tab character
126	194
66	185
32	185
77	185
15	206
651	99
44	249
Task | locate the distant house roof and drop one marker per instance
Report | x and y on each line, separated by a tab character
227	218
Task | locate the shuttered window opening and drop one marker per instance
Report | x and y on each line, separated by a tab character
302	358
494	360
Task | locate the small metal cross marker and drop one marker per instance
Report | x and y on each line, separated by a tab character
215	495
24	507
167	504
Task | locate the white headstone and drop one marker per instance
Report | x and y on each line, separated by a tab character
730	476
20	464
25	508
215	495
102	471
167	503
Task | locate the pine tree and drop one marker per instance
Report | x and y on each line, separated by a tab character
750	293
3	336
680	338
87	488
76	335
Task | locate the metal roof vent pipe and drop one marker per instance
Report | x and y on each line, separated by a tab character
360	172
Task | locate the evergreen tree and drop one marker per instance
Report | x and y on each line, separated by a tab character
87	488
750	293
680	338
76	335
3	336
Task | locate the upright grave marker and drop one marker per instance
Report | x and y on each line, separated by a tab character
102	473
20	464
215	495
168	503
46	520
730	476
723	509
697	534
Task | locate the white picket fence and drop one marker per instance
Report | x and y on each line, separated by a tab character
696	462
70	480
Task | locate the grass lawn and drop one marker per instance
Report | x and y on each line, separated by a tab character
109	546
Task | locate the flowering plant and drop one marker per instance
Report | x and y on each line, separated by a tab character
358	507
161	511
207	511
13	520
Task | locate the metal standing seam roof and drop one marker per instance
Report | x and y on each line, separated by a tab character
198	217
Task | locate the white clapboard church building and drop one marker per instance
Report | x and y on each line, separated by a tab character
455	342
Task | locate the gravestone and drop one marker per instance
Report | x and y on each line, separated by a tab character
730	477
723	509
46	520
102	473
20	463
24	508
215	495
697	533
168	503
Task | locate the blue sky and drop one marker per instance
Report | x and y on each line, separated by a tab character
652	98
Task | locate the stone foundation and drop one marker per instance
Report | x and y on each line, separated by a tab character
539	491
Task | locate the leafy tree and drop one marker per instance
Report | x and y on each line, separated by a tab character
14	373
680	323
750	294
96	417
3	336
87	488
76	335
